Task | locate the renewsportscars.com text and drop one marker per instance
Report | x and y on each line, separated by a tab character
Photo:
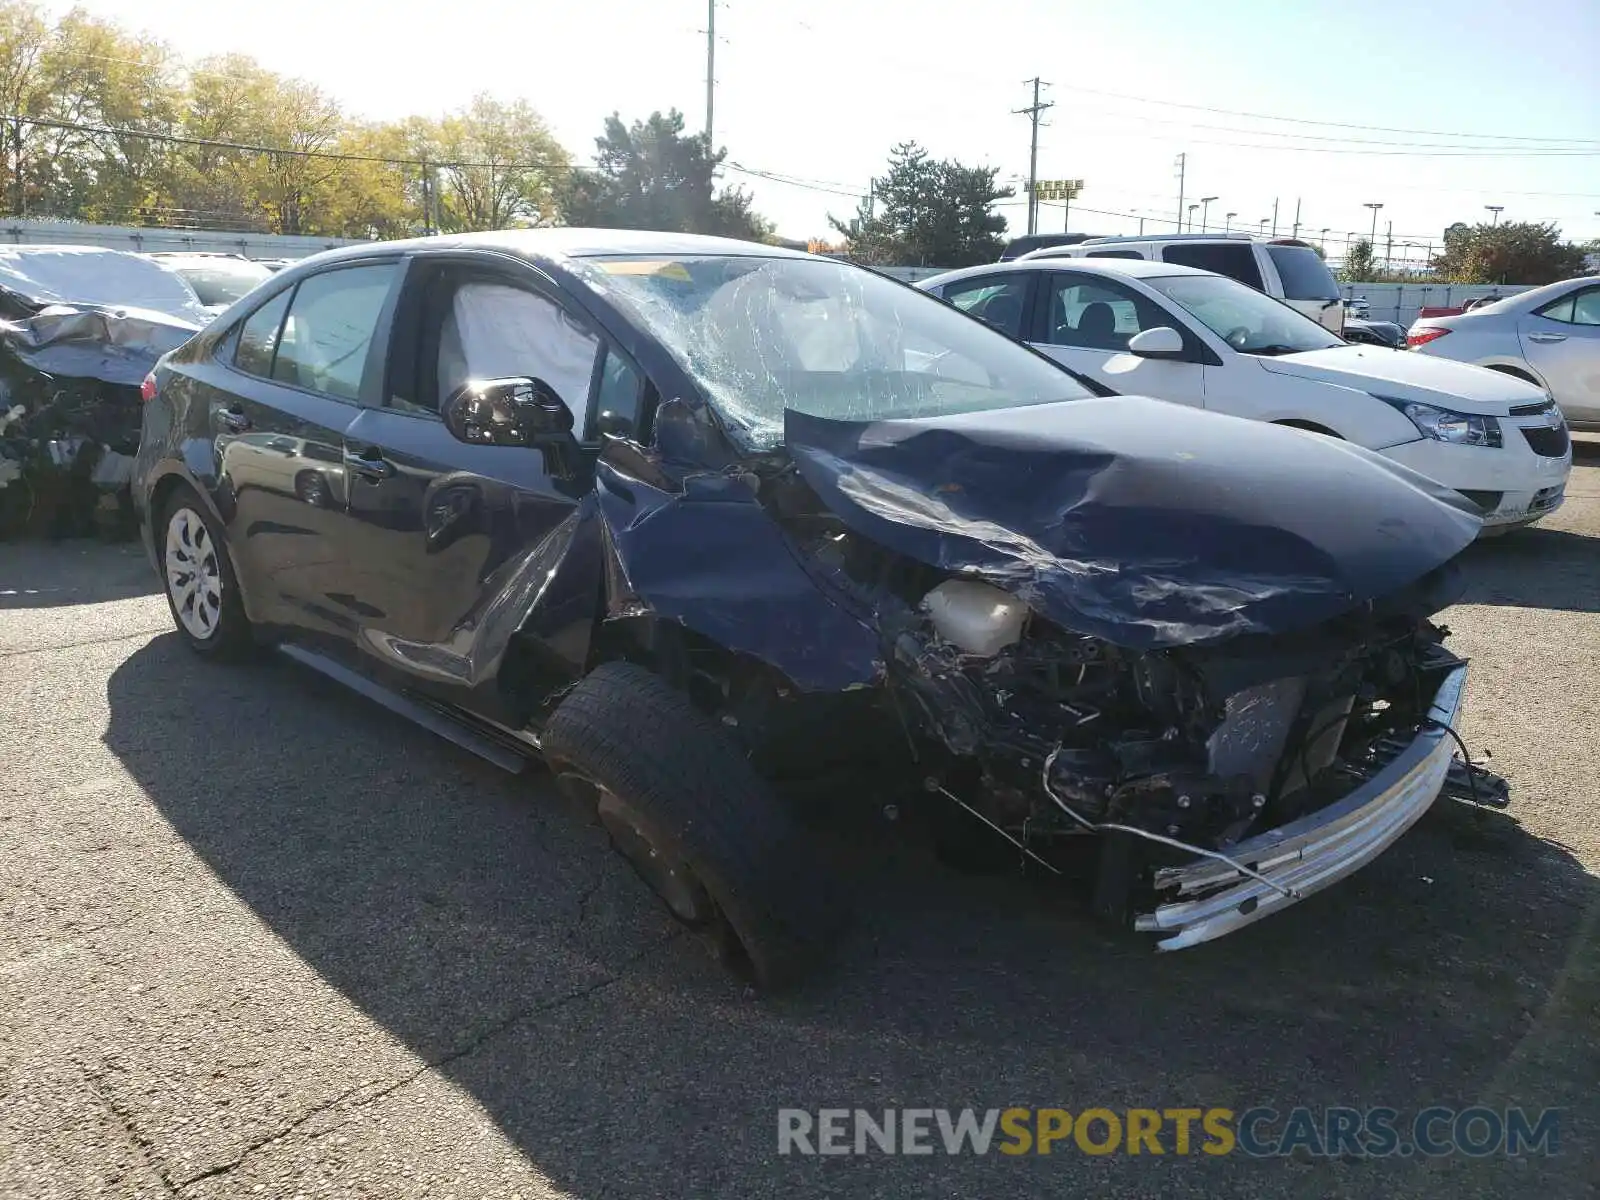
1476	1132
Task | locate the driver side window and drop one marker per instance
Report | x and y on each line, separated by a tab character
494	330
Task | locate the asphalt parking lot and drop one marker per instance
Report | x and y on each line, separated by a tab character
260	938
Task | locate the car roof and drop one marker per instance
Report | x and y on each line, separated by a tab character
564	242
1136	268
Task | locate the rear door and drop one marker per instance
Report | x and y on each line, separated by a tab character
1003	300
456	539
1085	322
280	396
1562	342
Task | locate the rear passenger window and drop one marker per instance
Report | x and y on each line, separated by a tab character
1579	308
259	338
1303	274
1236	260
332	320
1000	301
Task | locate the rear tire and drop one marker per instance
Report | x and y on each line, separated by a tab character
684	806
202	592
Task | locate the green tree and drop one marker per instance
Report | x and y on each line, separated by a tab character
500	166
650	175
1516	252
928	212
1358	264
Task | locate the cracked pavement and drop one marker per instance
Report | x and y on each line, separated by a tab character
260	938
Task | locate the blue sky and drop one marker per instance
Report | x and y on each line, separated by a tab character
819	91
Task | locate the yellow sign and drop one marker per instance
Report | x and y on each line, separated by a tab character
1058	189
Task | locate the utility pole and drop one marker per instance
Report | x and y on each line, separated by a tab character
1183	165
1388	248
1274	216
1296	232
1032	113
427	198
711	67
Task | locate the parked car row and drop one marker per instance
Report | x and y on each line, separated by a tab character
709	526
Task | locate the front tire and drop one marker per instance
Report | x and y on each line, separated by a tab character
684	806
201	590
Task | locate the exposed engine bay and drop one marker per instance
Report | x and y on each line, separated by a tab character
1043	734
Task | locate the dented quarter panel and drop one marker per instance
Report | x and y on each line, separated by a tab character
1143	523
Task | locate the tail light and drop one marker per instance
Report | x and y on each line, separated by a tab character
147	389
1421	337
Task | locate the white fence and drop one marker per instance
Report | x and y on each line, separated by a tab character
147	241
1401	302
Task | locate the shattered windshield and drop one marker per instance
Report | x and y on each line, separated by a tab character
761	335
1248	320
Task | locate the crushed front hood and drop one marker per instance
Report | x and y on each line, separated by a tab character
1143	523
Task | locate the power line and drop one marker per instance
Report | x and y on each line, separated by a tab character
1233	112
280	151
1349	141
792	181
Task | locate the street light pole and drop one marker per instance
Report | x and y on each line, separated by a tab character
1227	222
1496	209
1205	207
1192	207
1373	239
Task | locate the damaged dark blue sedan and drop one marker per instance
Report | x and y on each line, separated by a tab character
704	523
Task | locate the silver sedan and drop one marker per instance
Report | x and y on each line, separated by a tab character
1549	336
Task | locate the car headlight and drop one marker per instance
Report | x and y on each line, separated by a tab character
1444	425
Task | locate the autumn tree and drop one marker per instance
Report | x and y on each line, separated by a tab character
651	175
928	212
499	166
1516	252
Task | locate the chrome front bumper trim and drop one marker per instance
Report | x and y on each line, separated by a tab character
1210	899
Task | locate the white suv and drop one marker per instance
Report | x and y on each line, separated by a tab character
1286	269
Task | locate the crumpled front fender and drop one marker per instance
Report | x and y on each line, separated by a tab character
711	558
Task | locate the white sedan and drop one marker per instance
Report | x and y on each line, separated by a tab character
1193	337
1549	336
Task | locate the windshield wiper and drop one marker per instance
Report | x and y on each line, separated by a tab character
1273	350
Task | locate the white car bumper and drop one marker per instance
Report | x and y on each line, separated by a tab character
1209	898
1515	485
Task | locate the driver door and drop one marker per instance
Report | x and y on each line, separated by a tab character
1086	322
457	538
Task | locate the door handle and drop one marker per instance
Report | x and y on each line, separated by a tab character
1547	337
369	465
233	419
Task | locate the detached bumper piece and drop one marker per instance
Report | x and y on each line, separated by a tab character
1210	899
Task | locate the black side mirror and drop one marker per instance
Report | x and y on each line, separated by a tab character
507	412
